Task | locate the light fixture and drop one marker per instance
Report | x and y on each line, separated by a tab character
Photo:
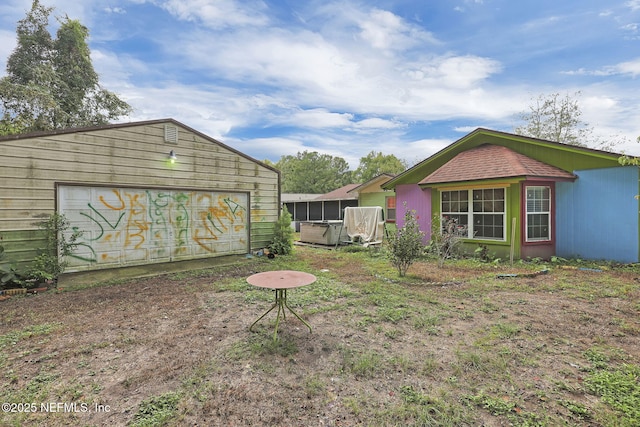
172	156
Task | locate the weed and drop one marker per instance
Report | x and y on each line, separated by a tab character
313	385
576	408
13	337
620	389
362	365
496	406
157	410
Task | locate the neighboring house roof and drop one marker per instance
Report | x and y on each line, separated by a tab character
376	180
493	161
341	193
563	156
297	197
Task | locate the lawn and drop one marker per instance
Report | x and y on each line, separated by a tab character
468	344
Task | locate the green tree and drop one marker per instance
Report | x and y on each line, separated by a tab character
311	172
376	163
558	118
555	118
282	243
51	84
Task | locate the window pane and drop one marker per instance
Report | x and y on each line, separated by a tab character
538	213
538	227
488	226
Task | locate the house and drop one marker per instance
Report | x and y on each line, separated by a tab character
371	193
320	207
534	197
141	193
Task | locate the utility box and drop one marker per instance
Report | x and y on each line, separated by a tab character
323	232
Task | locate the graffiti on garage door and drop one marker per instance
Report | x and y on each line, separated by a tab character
132	226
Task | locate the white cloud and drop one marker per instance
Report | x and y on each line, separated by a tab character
631	68
633	5
116	10
386	31
317	118
218	13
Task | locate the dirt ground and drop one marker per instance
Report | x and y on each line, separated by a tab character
112	347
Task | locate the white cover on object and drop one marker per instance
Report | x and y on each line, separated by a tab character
364	222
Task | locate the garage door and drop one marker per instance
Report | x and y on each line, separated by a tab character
133	226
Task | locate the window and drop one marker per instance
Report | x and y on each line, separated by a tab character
391	208
481	211
455	206
538	213
488	213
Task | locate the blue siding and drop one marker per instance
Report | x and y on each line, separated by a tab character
597	215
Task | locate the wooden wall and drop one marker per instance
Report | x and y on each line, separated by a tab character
125	155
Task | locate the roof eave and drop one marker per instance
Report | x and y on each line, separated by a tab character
502	178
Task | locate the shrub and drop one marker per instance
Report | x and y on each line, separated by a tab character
446	237
59	244
282	243
406	245
9	275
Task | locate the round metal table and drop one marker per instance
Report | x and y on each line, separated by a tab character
280	281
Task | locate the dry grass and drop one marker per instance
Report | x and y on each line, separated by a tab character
453	346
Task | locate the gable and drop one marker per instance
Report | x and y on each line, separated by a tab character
491	162
566	157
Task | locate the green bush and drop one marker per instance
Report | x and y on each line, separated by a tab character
51	260
406	245
282	243
9	274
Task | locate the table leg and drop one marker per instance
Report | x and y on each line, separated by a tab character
281	303
295	314
261	317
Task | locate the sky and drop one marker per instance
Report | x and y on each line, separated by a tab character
403	77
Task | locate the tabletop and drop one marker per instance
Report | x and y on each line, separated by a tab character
281	279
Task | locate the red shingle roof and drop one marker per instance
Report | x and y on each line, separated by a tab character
493	161
340	194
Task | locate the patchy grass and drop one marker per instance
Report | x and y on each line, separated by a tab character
468	344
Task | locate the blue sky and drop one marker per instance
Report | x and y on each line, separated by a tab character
402	77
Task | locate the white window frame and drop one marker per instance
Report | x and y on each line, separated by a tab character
538	212
470	212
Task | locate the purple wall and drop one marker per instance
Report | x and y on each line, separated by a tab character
418	200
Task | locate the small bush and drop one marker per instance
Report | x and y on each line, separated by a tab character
406	246
446	236
60	242
282	243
